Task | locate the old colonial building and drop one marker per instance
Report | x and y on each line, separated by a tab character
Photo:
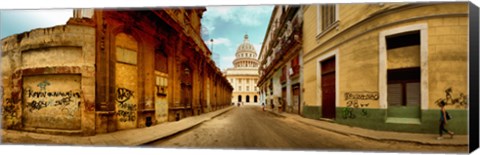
244	75
110	70
386	66
281	60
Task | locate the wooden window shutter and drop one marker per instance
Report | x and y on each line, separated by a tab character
413	93
394	94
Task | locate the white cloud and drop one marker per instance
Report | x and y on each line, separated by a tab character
226	62
228	58
219	41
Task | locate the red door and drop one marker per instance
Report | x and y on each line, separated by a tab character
328	88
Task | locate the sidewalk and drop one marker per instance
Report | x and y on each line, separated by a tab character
132	137
426	139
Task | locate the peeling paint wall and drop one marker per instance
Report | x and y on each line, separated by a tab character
48	80
52	56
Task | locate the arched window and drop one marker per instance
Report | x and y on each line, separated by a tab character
248	98
239	98
255	99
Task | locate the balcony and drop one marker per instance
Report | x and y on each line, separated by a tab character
295	71
286	35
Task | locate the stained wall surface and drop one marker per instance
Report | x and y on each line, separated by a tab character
49	80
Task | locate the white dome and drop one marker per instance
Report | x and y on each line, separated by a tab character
245	45
246	56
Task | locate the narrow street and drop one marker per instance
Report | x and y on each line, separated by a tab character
248	127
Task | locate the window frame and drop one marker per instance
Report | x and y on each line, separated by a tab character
320	30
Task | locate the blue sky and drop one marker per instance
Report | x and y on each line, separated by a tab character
18	21
226	25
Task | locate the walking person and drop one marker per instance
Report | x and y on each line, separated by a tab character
263	106
443	121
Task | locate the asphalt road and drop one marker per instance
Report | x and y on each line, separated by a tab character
248	127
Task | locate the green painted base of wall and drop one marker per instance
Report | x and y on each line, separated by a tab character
313	112
376	119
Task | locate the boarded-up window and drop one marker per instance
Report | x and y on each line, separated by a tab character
126	81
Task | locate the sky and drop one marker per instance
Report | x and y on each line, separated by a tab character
226	25
18	21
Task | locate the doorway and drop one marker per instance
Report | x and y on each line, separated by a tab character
296	98
403	77
328	87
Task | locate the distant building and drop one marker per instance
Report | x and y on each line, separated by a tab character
244	75
110	70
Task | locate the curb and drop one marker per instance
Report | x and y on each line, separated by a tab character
182	130
108	139
379	139
365	136
276	114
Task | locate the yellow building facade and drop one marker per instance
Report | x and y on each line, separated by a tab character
386	66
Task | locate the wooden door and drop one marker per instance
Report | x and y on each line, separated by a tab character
328	88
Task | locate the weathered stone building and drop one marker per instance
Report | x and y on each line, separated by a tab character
386	66
109	70
244	75
281	60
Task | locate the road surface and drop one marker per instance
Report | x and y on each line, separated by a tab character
248	127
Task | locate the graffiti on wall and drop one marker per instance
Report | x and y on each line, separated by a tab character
40	99
126	111
123	95
43	98
459	101
51	101
358	101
